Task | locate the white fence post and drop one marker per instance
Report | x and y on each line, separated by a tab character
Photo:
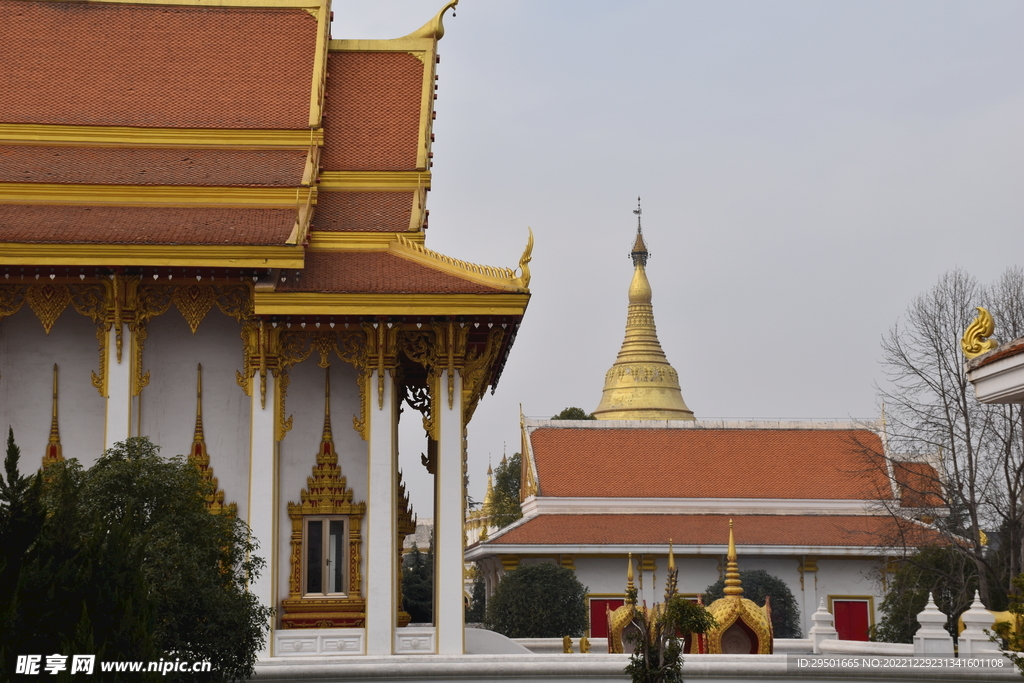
974	640
823	628
932	638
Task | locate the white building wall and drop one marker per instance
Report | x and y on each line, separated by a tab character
297	456
167	413
27	355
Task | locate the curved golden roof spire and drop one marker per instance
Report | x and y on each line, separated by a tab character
641	384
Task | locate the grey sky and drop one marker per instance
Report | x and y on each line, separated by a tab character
806	168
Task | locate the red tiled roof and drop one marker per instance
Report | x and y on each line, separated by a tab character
919	485
372	111
151	166
144	225
363	211
709	463
683	530
157	66
377	272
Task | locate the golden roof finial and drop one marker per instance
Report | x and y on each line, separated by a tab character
976	340
671	556
733	585
54	450
641	384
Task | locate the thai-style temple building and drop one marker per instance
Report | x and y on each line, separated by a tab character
813	501
226	185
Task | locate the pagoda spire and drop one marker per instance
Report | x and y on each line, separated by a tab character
641	384
54	450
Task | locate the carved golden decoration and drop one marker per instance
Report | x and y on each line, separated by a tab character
193	302
284	425
477	371
54	451
48	301
11	299
147	301
976	340
326	493
200	458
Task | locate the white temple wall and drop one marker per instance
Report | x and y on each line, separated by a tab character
167	413
297	454
27	355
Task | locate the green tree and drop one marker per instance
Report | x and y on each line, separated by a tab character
933	416
538	601
657	646
134	567
945	573
573	413
505	507
418	584
477	607
757	585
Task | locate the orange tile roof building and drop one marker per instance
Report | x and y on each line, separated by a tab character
226	192
815	503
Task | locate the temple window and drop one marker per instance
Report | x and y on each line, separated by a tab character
326	556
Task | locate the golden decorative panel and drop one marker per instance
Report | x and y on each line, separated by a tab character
48	301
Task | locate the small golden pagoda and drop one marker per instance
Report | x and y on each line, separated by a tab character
743	627
641	385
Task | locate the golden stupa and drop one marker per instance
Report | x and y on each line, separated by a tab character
641	385
743	627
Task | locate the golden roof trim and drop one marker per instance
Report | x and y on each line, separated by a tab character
491	276
155	195
357	240
117	136
381	181
332	303
105	254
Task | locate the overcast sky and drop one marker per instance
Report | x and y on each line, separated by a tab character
806	168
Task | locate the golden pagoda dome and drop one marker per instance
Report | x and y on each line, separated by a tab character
641	384
743	627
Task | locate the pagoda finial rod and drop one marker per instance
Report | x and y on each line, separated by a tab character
54	450
198	435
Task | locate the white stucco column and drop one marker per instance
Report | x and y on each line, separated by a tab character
448	526
381	559
119	387
263	503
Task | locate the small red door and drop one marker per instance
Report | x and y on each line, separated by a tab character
851	619
598	618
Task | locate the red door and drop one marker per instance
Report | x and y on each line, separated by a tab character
851	619
598	618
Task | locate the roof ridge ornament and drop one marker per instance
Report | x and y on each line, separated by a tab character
435	27
977	337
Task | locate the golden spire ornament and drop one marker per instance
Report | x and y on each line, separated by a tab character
201	459
641	384
733	585
54	450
